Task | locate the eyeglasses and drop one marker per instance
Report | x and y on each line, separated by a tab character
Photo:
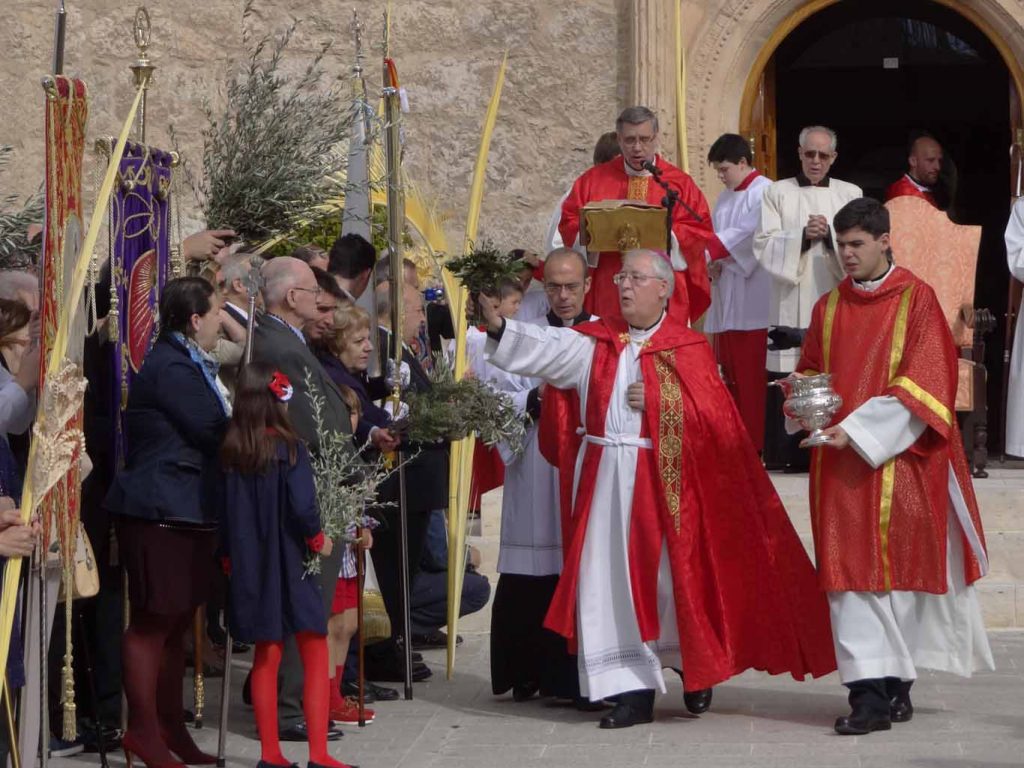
314	291
554	289
632	141
811	154
636	278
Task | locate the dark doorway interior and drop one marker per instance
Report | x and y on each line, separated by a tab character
876	71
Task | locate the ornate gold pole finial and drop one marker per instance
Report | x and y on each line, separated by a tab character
357	34
142	68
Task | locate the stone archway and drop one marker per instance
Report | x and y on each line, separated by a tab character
728	51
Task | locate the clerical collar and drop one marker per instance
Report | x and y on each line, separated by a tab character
297	331
643	332
747	181
920	187
633	172
803	181
875	284
557	322
243	311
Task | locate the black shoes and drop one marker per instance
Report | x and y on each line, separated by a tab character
299	732
435	639
697	702
870	706
634	708
371	692
861	721
524	691
901	710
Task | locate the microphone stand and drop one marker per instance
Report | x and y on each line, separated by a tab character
670	201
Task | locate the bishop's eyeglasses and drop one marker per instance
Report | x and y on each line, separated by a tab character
636	278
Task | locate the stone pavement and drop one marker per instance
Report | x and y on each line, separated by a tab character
755	721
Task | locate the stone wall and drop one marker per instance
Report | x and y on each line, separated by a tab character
564	86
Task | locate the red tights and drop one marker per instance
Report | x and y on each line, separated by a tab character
315	697
153	669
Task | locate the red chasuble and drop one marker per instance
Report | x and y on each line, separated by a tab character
906	188
609	181
884	529
746	593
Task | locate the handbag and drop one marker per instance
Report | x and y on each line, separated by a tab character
376	622
85	575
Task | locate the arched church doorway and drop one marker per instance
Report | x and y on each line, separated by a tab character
876	71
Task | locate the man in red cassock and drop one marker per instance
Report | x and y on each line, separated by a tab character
896	526
627	178
678	552
925	167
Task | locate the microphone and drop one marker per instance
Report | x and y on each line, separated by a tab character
651	168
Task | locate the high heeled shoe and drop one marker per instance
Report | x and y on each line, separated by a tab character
182	745
132	747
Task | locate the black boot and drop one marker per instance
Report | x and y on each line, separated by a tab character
870	709
633	708
901	710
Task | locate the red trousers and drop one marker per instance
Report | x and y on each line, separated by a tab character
742	355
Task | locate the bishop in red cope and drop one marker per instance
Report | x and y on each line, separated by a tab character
678	552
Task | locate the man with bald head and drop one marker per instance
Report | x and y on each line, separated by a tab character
924	161
290	293
526	658
678	552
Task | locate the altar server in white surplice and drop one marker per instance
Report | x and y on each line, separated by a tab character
1015	399
526	657
740	288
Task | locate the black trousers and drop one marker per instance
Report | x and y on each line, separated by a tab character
781	450
430	598
523	652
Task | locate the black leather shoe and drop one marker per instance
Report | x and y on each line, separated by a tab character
524	691
901	710
299	732
697	702
586	705
634	708
860	722
394	672
371	692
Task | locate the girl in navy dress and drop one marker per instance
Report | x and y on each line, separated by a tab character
270	526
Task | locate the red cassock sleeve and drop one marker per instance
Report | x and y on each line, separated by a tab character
693	236
569	226
811	362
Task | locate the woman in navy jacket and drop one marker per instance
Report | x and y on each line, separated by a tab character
166	502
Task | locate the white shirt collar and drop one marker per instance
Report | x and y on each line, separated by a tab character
870	286
633	172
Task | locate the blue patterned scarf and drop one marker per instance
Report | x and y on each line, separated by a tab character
206	364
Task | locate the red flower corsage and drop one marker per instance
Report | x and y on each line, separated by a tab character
281	387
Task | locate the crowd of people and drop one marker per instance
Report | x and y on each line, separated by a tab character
639	532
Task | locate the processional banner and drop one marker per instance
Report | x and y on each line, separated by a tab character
66	113
140	265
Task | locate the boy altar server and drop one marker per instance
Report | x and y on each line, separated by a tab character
896	526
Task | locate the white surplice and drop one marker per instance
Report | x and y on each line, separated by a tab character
531	541
799	276
612	657
741	294
891	634
1015	398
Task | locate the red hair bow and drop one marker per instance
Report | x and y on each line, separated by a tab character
281	387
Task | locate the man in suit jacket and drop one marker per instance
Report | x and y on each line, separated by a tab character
290	294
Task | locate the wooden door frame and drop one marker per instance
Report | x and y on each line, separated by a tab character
752	87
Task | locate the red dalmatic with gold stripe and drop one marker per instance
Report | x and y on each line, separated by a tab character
885	529
609	181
